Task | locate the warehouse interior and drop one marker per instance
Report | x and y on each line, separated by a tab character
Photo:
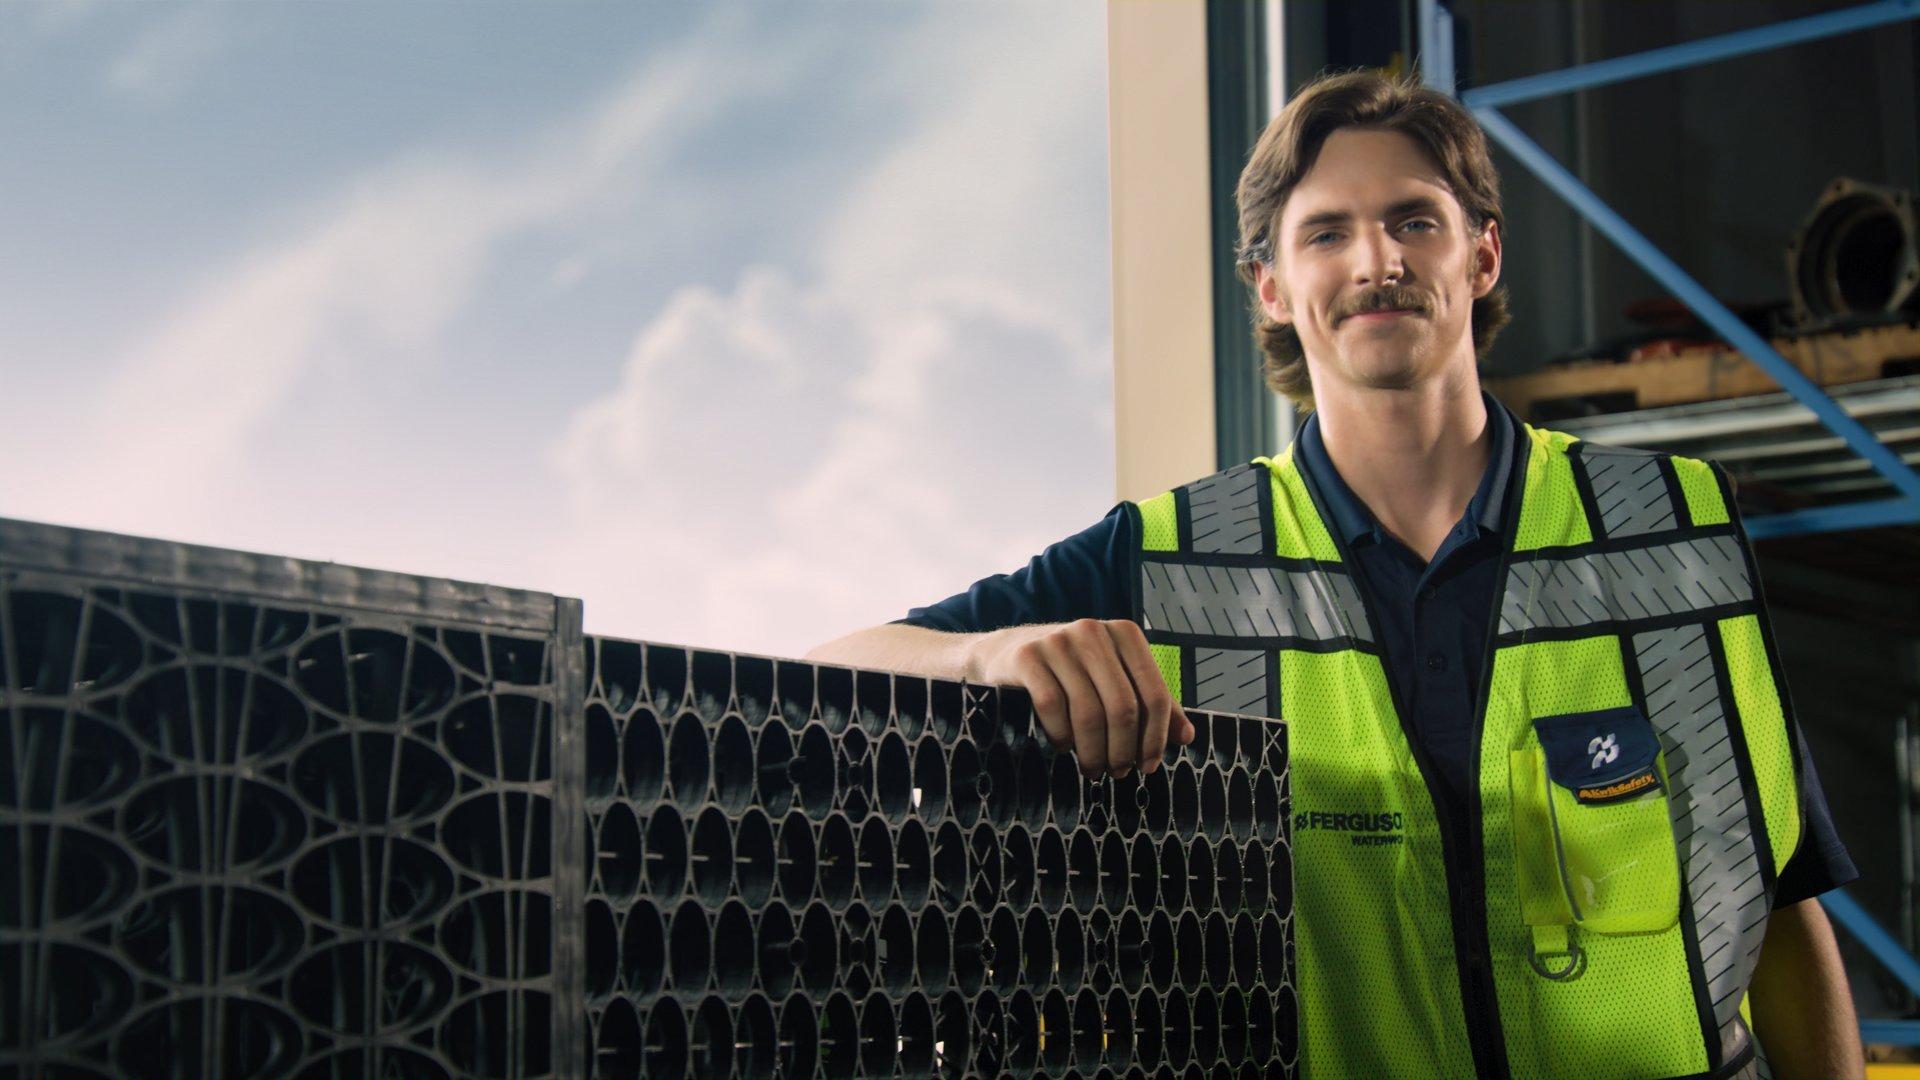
1723	164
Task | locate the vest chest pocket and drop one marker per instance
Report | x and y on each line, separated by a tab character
1593	839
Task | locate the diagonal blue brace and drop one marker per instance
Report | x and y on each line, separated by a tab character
1435	38
1849	914
1890	1032
1689	53
1724	322
1853	515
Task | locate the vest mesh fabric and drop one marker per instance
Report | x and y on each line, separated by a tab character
1704	504
1550	514
1636	984
1381	956
1766	734
1662	617
1299	532
1160	531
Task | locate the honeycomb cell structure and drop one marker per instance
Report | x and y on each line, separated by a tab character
809	871
276	818
273	818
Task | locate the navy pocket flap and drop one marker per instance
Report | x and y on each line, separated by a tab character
1602	755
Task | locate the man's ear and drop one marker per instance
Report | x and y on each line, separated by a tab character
1486	260
1272	300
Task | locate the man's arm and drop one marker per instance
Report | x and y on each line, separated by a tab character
1094	684
914	650
1802	1008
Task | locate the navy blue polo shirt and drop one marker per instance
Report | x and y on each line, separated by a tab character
1430	619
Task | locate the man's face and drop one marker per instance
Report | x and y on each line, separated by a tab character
1375	265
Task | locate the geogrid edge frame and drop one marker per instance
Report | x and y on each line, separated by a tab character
114	558
377	600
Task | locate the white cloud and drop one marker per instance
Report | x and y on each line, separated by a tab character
788	461
800	458
165	58
56	16
370	278
807	449
994	182
569	272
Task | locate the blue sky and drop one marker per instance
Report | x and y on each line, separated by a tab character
748	323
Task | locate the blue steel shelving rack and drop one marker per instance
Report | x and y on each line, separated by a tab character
1437	68
1436	40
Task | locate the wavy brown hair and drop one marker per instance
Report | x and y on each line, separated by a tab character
1286	151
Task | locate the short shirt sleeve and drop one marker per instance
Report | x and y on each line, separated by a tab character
1821	861
1089	575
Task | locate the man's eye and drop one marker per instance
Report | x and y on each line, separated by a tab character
1422	222
1317	237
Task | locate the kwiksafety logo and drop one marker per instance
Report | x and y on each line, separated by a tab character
1632	785
1369	830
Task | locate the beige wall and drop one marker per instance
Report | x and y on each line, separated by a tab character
1162	282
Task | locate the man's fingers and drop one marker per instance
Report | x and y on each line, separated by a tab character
1085	716
1157	707
1032	670
1097	691
1118	700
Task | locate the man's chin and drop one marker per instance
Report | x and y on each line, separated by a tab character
1384	372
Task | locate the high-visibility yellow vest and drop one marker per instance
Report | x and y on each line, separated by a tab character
1636	791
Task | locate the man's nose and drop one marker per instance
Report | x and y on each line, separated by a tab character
1377	259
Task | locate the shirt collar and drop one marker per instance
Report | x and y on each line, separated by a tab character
1354	522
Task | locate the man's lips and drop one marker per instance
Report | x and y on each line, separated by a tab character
1381	314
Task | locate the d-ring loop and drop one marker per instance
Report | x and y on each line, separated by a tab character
1576	963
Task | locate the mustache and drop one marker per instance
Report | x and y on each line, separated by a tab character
1384	298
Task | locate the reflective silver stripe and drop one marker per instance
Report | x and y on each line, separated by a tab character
1719	859
1224	511
1756	1066
1630	491
1230	680
1252	602
1638	583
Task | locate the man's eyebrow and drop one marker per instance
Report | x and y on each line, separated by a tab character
1416	205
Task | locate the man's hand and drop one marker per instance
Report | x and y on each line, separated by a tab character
1095	688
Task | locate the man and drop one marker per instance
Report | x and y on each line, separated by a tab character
1546	662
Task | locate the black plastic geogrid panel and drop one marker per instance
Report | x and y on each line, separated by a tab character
808	871
268	837
275	818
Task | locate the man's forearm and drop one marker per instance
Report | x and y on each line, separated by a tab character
914	650
1802	1007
